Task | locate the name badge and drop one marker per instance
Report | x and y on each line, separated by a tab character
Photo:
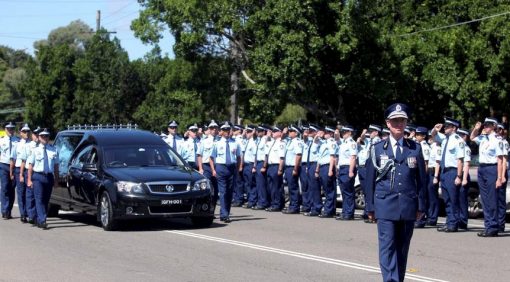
384	159
411	162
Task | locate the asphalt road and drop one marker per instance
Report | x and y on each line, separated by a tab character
255	246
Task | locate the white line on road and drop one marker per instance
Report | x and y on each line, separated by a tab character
299	255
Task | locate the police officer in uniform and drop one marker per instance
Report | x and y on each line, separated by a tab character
395	176
204	154
263	134
433	169
190	146
451	166
16	162
7	183
275	152
325	171
464	188
293	153
308	135
502	190
225	159
173	139
347	152
30	196
490	173
364	145
314	181
248	167
238	198
421	138
42	171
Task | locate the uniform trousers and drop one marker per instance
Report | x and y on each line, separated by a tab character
43	186
214	181
7	191
275	185
450	193
314	188
432	207
249	184
261	182
487	176
293	184
21	190
328	186
305	188
225	176
347	188
394	241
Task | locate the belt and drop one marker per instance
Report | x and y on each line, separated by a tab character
289	166
343	166
484	165
45	174
449	168
248	163
304	163
321	165
361	165
312	162
272	164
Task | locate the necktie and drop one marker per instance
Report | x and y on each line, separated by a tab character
175	144
195	149
443	154
257	150
10	145
309	149
45	161
398	153
227	152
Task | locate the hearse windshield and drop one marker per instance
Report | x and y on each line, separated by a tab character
140	156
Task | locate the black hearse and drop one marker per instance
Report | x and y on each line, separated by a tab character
125	173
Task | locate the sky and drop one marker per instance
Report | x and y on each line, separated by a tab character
22	22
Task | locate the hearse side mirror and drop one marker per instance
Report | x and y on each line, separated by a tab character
90	167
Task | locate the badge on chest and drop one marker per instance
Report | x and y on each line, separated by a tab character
384	159
411	162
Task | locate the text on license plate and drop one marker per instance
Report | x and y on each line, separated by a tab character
171	202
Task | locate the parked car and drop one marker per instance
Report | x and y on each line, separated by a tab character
123	173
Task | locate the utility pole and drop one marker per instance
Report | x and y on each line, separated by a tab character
98	20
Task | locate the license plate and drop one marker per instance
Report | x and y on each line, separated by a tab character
171	202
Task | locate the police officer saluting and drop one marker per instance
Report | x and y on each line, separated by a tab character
451	164
490	173
395	176
225	160
42	171
7	145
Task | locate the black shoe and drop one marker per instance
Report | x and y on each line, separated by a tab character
236	205
463	226
311	214
23	219
324	215
344	218
501	230
271	209
257	208
370	220
8	216
225	219
43	226
248	206
419	225
3	215
290	212
302	210
451	230
487	234
31	221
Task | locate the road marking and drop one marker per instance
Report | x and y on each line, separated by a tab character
298	255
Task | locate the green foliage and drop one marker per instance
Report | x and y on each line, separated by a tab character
291	114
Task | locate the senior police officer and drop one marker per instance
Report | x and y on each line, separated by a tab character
325	171
275	152
364	145
16	162
421	138
42	171
248	167
490	173
7	145
204	154
347	152
464	188
225	159
293	153
395	176
30	196
451	165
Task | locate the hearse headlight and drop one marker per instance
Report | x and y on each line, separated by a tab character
129	187
202	184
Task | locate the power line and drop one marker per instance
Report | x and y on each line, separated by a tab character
118	19
115	12
455	24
